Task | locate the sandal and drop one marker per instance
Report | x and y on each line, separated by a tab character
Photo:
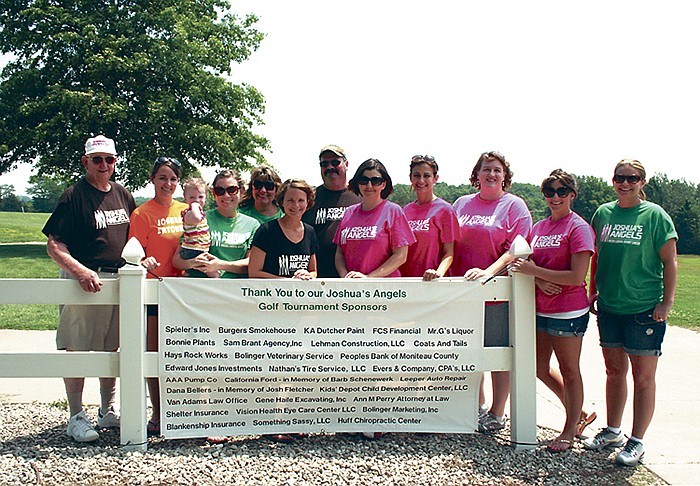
283	438
153	428
218	439
584	421
560	445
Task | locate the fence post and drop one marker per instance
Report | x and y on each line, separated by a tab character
523	392
132	339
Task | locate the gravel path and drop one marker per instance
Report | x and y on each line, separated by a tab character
35	450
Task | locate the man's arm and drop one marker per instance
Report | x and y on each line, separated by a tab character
89	280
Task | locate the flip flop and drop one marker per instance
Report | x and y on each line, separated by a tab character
556	445
585	421
218	439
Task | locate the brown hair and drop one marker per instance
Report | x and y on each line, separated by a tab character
566	180
262	173
636	165
489	156
424	159
372	164
296	184
225	174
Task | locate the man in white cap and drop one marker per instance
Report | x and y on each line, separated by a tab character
86	234
331	200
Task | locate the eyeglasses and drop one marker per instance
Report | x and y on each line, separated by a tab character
326	163
97	160
231	190
269	185
422	158
559	191
632	179
165	160
364	180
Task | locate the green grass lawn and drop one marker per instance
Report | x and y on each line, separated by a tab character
27	261
31	261
20	227
686	308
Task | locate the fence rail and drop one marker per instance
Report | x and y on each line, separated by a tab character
132	364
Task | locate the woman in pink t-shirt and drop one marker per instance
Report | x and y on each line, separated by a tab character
374	235
562	247
433	222
489	221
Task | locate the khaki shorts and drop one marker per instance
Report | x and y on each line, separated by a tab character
88	327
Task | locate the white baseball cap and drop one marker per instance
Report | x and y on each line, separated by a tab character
101	144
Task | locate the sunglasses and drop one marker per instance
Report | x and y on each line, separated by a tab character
559	191
269	185
97	160
422	158
632	179
364	180
231	190
326	163
165	160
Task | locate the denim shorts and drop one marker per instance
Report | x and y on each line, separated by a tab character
637	334
574	327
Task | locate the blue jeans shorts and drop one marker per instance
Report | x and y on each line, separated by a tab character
637	334
563	327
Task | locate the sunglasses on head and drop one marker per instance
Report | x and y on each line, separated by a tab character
632	179
231	190
422	158
165	160
326	163
269	185
97	160
559	191
375	181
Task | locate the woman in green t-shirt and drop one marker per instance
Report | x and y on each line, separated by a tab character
634	273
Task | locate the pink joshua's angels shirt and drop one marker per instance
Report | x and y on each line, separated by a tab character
367	238
433	224
553	243
487	229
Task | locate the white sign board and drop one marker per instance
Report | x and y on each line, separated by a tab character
280	356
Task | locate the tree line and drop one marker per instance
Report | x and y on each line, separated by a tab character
678	197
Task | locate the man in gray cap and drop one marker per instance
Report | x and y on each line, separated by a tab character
86	234
331	200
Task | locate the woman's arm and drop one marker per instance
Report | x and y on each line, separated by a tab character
493	269
575	276
668	255
397	258
255	264
448	252
309	273
340	262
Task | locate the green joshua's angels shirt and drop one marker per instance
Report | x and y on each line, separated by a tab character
629	276
231	238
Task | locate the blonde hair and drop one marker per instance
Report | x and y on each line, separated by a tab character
636	165
194	182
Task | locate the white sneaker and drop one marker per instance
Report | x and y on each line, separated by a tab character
81	429
604	438
108	420
632	454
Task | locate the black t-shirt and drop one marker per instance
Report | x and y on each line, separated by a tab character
282	257
93	224
325	216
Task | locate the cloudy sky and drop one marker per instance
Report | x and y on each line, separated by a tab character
550	84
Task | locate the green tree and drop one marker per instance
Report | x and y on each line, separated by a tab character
148	74
592	192
46	191
9	202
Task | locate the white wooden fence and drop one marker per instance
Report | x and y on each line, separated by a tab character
132	364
